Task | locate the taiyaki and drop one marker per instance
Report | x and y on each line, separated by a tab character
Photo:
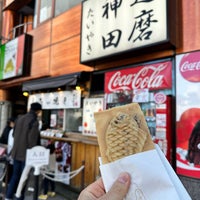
122	131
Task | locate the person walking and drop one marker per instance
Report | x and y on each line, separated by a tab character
48	184
7	140
10	124
26	135
9	150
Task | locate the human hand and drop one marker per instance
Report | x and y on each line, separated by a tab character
118	191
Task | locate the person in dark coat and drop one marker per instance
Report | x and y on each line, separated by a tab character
5	140
26	135
193	155
10	124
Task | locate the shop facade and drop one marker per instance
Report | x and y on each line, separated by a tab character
121	73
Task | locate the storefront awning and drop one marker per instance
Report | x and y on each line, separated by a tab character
53	82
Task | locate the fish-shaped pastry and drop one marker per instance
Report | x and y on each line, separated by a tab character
124	137
122	131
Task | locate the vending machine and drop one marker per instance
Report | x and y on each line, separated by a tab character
151	87
157	113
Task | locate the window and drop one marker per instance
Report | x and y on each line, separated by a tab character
63	5
74	3
47	9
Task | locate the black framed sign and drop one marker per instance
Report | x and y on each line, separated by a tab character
115	26
15	57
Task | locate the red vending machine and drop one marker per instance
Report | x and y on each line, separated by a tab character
163	134
157	112
150	86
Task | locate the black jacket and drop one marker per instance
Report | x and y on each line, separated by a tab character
26	135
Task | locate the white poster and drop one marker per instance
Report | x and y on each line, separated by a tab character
57	100
90	106
63	153
53	121
141	95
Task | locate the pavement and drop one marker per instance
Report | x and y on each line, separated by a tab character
63	192
69	195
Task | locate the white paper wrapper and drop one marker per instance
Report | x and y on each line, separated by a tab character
152	177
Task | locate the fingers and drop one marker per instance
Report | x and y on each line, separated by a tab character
120	187
98	187
118	191
93	191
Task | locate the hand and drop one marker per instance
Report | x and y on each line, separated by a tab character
118	190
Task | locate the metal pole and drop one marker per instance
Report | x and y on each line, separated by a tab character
35	195
83	176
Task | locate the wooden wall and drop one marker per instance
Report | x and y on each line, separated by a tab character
189	26
7	25
89	154
3	95
56	46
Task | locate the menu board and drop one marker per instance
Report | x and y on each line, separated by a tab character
90	106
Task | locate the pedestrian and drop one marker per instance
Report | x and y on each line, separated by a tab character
6	138
48	183
118	190
26	135
5	133
9	151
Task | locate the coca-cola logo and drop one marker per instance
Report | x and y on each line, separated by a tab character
152	77
190	67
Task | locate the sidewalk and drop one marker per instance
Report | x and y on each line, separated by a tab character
63	192
69	196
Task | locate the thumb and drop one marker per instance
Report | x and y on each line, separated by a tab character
120	187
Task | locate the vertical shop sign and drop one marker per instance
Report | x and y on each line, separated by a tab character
90	106
111	26
188	114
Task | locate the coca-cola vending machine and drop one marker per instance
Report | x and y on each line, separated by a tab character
163	116
150	86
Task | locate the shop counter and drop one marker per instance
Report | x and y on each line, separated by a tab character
74	137
84	149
